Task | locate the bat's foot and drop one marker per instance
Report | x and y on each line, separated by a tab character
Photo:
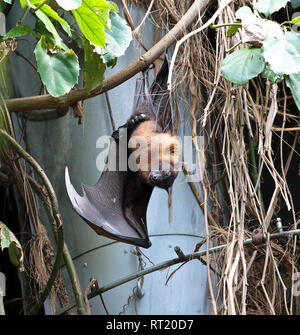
134	121
115	135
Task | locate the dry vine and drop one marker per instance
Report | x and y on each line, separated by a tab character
251	140
245	144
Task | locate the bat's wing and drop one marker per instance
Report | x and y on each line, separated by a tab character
143	102
162	100
116	206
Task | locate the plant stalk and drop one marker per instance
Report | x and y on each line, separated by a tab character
58	228
165	264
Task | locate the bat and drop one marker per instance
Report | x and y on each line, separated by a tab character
116	206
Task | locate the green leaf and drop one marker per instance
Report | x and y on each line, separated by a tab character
32	2
244	12
89	22
7	1
94	67
109	59
295	3
17	32
293	82
232	30
69	4
52	13
242	65
41	29
269	74
59	72
50	27
296	21
120	36
43	14
15	251
268	7
113	6
283	54
102	9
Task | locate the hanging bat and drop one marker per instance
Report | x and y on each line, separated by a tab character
116	206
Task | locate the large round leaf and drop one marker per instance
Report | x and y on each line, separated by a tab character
293	82
59	71
283	54
242	65
69	4
119	37
270	6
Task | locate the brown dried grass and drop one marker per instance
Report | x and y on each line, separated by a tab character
255	280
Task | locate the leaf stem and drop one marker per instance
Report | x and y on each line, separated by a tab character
216	26
22	18
38	7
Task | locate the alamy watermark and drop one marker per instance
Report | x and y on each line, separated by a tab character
159	152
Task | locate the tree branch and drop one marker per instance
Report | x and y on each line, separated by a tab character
170	262
139	64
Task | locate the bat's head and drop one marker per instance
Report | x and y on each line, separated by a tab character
156	156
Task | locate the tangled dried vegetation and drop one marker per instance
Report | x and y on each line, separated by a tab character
251	166
250	176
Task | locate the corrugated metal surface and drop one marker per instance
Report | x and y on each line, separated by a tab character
62	142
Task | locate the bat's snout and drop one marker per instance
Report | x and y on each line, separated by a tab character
162	179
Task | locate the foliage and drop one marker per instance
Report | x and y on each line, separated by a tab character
15	251
249	62
58	73
268	7
93	25
277	57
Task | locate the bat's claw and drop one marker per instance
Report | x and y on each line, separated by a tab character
115	135
132	123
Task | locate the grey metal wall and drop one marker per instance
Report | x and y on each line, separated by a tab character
62	142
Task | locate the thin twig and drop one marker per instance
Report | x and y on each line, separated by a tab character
165	264
182	40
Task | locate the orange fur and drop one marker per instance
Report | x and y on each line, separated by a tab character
154	150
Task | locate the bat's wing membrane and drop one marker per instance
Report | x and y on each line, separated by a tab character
106	207
162	100
116	206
